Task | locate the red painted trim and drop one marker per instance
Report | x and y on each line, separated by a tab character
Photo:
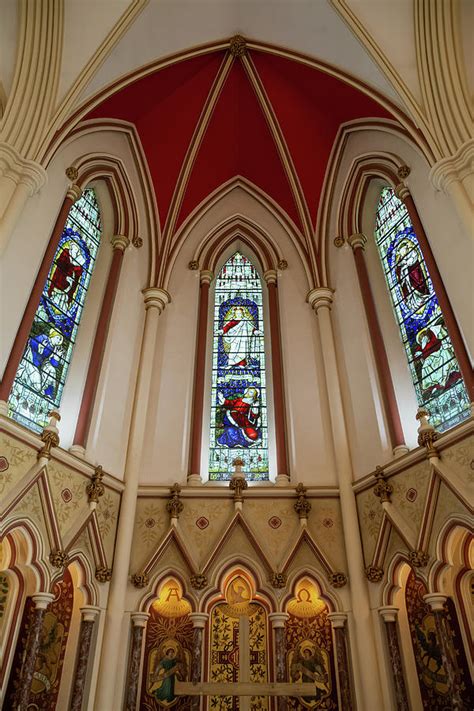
95	363
199	372
381	360
24	329
277	376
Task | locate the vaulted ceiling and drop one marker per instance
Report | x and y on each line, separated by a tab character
263	116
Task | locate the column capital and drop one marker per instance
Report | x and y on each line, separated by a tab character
320	297
74	193
388	613
199	619
42	600
205	276
337	619
120	242
402	192
357	241
270	276
139	619
435	601
278	619
89	613
156	298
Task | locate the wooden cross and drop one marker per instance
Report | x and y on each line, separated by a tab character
244	688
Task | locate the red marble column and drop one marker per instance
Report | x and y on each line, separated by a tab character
119	244
89	615
16	353
139	622
42	601
460	350
389	616
199	620
338	623
277	377
389	399
194	476
278	620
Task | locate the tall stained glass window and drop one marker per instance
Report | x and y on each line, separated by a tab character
239	404
42	372
434	369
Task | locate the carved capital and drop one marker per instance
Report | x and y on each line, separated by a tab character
95	488
103	574
418	559
237	46
320	297
374	574
270	276
401	191
278	580
337	580
302	506
357	241
74	193
205	276
120	242
198	581
174	505
59	559
139	580
156	298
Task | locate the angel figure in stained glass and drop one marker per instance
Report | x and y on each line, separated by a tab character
241	419
238	334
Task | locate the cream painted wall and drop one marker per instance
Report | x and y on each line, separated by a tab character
166	448
369	441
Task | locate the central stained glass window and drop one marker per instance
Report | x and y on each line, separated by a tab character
434	368
239	402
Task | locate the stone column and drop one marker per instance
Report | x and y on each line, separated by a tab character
16	353
436	601
194	475
282	478
199	620
108	688
357	242
139	621
338	622
278	620
321	300
89	615
450	320
389	616
119	245
41	601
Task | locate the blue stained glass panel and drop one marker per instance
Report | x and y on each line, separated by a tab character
41	375
433	365
238	405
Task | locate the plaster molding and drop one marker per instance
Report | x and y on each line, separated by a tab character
320	297
454	168
156	298
21	171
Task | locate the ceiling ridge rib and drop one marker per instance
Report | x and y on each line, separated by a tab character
283	153
192	151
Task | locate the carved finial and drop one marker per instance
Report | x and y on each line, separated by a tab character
95	488
337	580
59	559
198	581
374	574
193	265
174	506
339	241
103	574
383	490
139	580
50	435
278	580
427	435
237	46
302	506
403	172
418	559
238	482
72	173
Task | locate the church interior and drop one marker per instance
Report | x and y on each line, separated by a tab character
236	424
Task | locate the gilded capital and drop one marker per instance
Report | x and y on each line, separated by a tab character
320	297
120	242
357	241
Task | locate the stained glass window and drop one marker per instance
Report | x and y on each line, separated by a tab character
41	375
238	405
434	369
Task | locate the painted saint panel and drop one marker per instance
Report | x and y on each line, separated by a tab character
238	405
168	647
309	649
52	648
42	373
434	369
